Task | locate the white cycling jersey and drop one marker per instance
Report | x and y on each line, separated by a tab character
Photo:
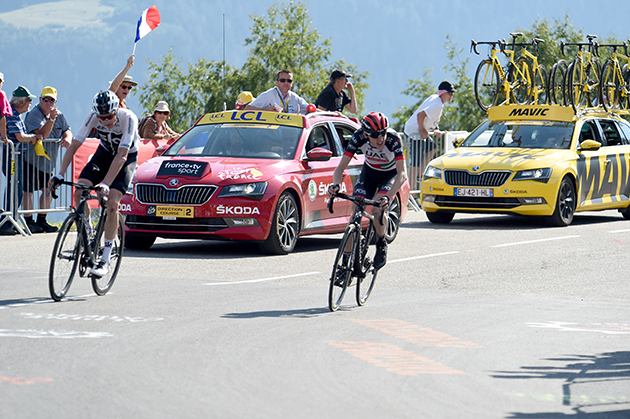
124	133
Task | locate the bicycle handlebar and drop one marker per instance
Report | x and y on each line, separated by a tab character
57	182
594	46
615	46
359	200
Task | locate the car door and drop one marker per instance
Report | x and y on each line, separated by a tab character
599	172
317	177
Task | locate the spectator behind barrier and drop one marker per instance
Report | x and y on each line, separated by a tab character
45	119
16	132
122	83
154	126
5	110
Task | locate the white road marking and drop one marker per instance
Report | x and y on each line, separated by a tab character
620	231
535	241
422	257
263	279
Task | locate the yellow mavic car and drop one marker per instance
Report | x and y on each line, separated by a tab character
533	160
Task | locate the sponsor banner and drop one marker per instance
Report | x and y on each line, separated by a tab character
531	113
254	117
182	168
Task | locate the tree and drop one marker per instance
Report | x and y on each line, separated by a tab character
281	40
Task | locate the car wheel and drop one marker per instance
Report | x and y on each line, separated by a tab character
565	205
138	242
285	227
625	213
393	221
440	217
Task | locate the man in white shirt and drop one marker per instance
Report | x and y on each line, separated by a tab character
279	98
421	125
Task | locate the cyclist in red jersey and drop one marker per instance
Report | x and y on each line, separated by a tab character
382	175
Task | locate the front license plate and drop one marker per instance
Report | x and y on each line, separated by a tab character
485	193
176	212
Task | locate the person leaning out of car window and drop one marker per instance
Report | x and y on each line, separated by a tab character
155	127
280	98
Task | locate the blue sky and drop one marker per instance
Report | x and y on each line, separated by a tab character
79	45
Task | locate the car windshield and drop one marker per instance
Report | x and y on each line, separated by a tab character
522	134
238	140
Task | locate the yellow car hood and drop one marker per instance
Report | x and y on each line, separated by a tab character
500	158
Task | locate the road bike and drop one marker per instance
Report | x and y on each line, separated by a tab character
358	267
519	82
615	88
79	245
583	75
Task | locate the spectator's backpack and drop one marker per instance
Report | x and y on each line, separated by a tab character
142	122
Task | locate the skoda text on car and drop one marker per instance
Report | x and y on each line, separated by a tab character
534	160
248	175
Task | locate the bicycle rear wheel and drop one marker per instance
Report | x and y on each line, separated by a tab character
539	90
593	83
342	270
520	79
365	284
102	284
65	257
487	84
576	82
610	86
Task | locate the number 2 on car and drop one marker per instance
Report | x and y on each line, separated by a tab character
176	212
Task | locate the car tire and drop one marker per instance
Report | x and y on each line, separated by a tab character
565	204
440	217
285	227
625	213
393	221
138	242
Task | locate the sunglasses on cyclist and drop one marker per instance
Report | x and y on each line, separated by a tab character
106	117
377	134
285	80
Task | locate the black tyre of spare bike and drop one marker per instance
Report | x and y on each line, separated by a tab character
609	86
487	84
541	85
593	72
520	77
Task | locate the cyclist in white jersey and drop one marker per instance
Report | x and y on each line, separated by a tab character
112	165
382	175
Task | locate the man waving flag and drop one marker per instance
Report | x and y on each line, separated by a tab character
149	20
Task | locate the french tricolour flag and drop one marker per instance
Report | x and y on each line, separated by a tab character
149	20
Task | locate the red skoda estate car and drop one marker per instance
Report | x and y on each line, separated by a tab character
247	175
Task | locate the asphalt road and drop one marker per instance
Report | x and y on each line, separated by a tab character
487	317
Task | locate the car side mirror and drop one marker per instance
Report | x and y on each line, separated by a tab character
319	154
162	149
458	141
590	145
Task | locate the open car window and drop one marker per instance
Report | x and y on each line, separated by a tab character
238	140
522	134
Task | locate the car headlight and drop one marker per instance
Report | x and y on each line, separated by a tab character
540	175
247	190
433	172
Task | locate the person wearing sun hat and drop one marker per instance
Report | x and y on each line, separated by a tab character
154	126
424	123
333	97
123	83
45	119
244	99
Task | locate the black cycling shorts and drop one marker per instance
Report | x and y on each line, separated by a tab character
372	181
96	169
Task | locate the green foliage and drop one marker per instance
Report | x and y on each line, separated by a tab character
281	40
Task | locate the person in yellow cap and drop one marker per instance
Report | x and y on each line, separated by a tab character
244	99
40	159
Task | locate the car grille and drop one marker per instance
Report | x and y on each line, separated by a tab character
180	225
465	178
476	202
184	195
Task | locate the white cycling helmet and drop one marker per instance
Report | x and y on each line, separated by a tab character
105	102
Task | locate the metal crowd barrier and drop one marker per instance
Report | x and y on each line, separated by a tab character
417	161
21	167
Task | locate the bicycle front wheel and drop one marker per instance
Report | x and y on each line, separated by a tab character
487	82
557	83
65	258
365	283
593	84
539	89
576	81
342	269
102	284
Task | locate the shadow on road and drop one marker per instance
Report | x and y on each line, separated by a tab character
594	386
303	313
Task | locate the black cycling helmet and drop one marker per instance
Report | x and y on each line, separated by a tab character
375	123
105	102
